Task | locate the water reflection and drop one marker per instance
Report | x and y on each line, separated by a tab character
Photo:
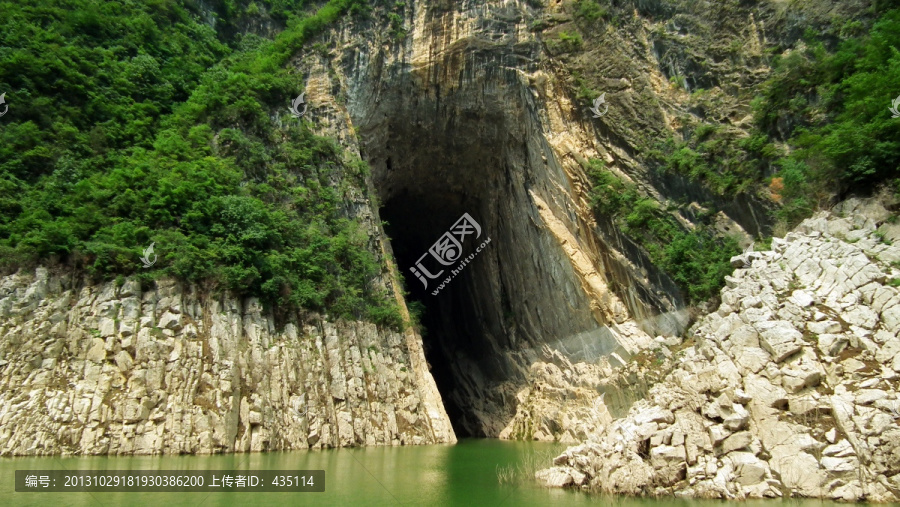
464	474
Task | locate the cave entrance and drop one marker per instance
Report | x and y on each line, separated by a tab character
478	149
457	123
432	176
453	321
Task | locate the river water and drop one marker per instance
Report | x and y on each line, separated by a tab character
472	473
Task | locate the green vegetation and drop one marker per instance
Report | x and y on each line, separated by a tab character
395	20
697	259
829	106
416	313
133	122
821	130
136	122
883	237
832	106
589	10
397	31
566	42
583	91
721	159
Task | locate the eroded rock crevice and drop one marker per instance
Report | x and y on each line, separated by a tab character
453	129
475	153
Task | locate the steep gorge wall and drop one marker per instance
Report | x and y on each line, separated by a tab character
459	117
107	369
467	113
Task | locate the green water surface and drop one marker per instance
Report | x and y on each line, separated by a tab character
465	474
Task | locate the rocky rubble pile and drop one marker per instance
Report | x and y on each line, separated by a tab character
790	387
110	369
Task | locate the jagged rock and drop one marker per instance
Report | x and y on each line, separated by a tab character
800	473
839	465
748	469
802	298
828	326
97	352
869	396
889	350
718	433
807	404
170	320
654	415
764	392
840	449
752	359
779	338
801	372
558	477
663	455
739	440
851	364
737	419
732	388
124	361
832	344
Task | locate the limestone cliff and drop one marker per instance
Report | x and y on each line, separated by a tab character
456	116
465	106
474	107
459	116
108	369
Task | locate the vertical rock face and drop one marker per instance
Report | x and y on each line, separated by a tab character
116	370
466	113
454	120
470	109
459	118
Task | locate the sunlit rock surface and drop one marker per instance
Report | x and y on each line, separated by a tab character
791	387
110	369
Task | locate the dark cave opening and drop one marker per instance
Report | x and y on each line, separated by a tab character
450	324
437	154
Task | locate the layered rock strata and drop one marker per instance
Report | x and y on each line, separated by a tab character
458	117
108	369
